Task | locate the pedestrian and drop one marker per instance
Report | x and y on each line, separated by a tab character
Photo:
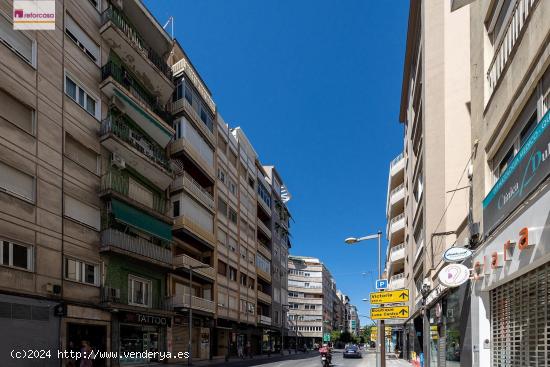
240	351
86	360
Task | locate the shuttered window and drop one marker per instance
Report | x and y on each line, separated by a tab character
16	112
82	40
16	182
82	212
81	154
16	40
520	323
197	213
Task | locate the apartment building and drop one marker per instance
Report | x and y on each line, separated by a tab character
429	213
127	200
311	294
510	88
354	322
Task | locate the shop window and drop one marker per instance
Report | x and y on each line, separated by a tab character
16	255
81	271
139	291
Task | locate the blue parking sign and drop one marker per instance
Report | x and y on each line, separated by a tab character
381	284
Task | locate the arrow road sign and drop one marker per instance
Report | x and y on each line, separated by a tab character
379	298
384	313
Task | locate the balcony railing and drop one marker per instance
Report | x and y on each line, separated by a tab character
119	296
394	249
396	160
118	126
185	261
264	297
113	238
131	84
264	228
120	21
117	182
186	181
396	189
193	302
396	219
514	28
182	103
264	319
397	277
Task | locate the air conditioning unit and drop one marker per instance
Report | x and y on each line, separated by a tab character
118	161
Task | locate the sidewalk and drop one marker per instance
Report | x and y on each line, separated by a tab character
238	362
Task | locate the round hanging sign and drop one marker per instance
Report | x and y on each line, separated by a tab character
454	275
456	254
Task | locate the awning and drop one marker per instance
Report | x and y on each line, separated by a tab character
140	220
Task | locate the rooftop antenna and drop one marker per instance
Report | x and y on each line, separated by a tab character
171	21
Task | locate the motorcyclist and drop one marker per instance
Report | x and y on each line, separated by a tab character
326	350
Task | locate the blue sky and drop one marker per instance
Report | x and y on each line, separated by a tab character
315	84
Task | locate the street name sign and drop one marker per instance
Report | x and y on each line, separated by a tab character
381	283
383	313
379	298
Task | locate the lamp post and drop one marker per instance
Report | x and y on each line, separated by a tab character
381	328
191	268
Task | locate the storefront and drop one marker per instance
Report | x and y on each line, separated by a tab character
139	333
511	301
200	337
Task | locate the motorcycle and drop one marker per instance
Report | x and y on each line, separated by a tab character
325	359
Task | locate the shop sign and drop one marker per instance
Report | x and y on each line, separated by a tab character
383	313
457	254
526	171
378	298
145	319
454	275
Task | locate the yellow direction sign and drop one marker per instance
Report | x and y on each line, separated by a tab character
383	313
379	298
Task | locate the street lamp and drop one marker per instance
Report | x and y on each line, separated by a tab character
381	329
191	268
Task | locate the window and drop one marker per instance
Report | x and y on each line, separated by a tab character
16	182
233	158
251	283
139	291
222	237
502	12
81	212
96	4
17	113
176	209
222	207
80	96
82	155
232	244
80	271
263	264
251	182
232	186
222	145
221	175
243	279
243	252
232	273
82	40
418	187
17	41
16	255
222	268
309	307
293	306
232	215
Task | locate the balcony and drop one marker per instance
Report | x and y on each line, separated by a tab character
188	183
396	201
503	50
123	38
185	261
397	253
183	105
264	297
397	281
138	152
183	66
264	250
127	94
264	228
193	302
186	146
397	229
263	274
114	297
189	224
265	206
264	320
115	181
114	240
397	169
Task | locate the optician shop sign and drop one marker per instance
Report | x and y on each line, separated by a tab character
526	171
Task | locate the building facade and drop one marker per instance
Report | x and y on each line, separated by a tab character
428	188
127	200
511	186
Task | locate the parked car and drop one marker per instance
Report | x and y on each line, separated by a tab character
352	352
